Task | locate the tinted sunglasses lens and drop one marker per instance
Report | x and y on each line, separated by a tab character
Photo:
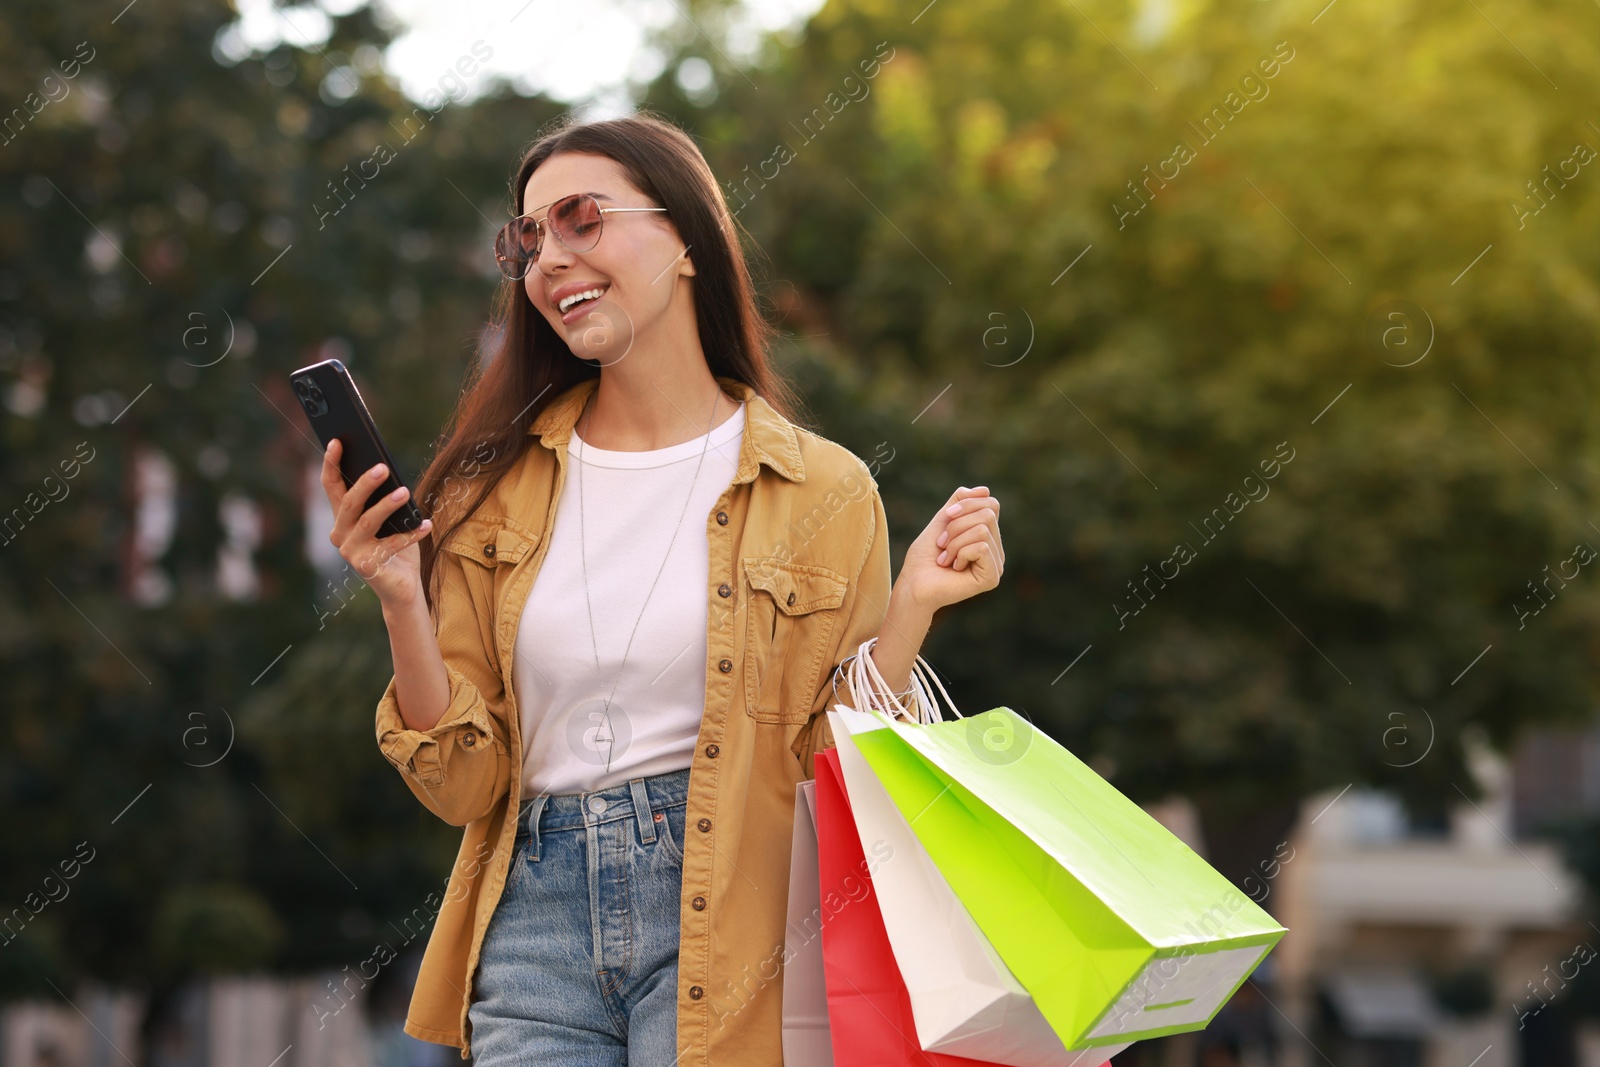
576	221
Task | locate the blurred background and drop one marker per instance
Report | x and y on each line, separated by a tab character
1111	259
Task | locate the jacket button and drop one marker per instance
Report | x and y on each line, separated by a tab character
699	903
725	589
791	600
469	739
488	550
722	518
712	750
695	992
725	666
704	825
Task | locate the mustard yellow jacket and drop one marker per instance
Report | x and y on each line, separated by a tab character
800	577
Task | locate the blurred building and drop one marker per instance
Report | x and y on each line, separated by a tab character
1466	942
225	1022
1452	945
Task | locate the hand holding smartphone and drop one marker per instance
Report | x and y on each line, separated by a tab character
375	520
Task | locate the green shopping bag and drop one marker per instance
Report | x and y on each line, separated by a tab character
1116	928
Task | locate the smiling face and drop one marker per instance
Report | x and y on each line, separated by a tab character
637	263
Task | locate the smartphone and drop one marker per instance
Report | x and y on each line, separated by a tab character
334	407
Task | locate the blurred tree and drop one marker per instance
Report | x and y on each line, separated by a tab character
1109	261
171	246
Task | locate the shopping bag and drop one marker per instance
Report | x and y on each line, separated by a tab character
1116	929
806	1042
964	999
869	1013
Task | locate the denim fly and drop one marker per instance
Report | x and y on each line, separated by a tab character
579	964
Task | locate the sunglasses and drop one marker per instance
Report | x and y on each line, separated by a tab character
576	221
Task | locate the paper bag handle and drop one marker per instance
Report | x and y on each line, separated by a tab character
863	677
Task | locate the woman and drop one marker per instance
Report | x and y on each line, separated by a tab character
615	639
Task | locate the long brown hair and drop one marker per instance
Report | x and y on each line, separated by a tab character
524	364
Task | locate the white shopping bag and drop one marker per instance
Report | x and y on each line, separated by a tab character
807	1041
965	1000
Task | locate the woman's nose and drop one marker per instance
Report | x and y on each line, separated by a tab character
551	249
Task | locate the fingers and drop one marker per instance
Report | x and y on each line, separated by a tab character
350	509
976	507
965	497
376	552
956	527
347	501
973	555
375	515
332	480
351	521
952	554
978	546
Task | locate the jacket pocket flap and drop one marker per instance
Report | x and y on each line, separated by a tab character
492	540
797	588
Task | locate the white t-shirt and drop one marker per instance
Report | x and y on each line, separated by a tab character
632	502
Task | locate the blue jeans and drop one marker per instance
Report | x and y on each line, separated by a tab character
579	965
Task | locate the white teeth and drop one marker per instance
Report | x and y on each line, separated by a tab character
568	301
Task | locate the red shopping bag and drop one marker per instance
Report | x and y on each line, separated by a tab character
869	1010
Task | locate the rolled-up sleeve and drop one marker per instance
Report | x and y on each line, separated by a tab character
865	605
461	767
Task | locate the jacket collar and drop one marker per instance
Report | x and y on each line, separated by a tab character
768	437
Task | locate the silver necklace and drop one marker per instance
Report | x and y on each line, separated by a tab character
583	561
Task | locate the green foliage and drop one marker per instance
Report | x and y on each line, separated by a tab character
218	754
1322	636
939	177
213	928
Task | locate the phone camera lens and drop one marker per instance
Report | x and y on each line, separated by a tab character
310	395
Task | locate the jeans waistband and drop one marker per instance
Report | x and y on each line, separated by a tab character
637	798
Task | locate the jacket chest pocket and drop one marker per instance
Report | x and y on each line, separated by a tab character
495	545
791	610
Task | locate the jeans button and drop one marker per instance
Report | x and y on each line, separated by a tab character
597	804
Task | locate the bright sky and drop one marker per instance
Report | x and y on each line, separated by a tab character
573	52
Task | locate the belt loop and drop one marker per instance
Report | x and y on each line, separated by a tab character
641	810
531	817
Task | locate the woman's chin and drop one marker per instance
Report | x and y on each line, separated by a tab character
604	333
